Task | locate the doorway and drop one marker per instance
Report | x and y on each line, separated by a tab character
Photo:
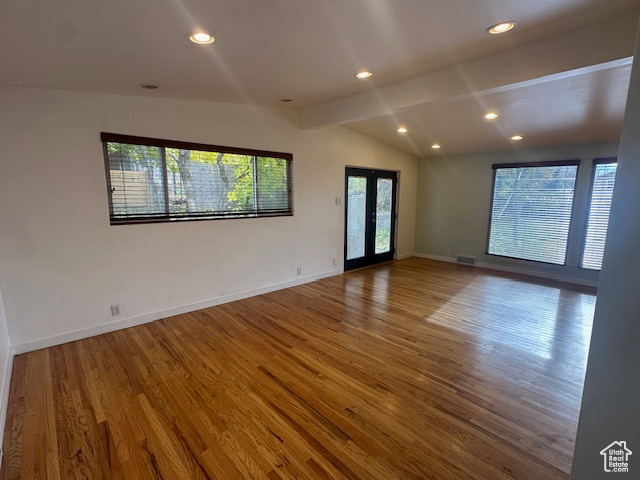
370	211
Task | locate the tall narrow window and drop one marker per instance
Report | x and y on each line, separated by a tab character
531	210
604	176
151	180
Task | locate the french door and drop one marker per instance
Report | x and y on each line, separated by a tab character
370	206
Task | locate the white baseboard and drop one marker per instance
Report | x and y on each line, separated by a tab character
435	257
151	317
4	395
560	277
404	256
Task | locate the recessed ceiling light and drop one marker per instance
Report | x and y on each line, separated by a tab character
363	74
150	86
501	27
435	146
517	137
201	38
491	116
402	130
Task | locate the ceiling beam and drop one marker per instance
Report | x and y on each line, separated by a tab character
610	43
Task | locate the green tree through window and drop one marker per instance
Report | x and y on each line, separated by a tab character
156	180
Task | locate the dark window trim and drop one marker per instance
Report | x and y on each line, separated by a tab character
604	161
157	142
195	216
595	163
540	262
107	173
551	163
167	219
493	194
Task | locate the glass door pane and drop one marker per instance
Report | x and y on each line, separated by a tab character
369	216
383	215
356	217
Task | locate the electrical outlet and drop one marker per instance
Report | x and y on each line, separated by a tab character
335	261
338	200
299	271
115	310
448	251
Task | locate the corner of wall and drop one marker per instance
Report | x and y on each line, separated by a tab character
4	396
6	366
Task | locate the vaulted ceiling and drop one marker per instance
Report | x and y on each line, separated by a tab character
560	77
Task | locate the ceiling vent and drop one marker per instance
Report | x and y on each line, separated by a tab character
466	260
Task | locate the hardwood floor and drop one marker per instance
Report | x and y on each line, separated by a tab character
409	370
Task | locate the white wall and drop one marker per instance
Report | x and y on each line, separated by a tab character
62	265
611	397
454	202
5	367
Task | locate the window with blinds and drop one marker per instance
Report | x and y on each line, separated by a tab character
151	180
531	210
604	176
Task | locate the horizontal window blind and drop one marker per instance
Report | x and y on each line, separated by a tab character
604	175
531	211
151	180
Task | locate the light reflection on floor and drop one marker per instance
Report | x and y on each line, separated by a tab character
537	327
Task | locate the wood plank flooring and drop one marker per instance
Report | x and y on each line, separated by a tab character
410	370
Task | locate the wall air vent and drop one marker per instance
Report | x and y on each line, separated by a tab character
466	260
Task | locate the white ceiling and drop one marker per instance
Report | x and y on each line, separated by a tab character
572	110
309	50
